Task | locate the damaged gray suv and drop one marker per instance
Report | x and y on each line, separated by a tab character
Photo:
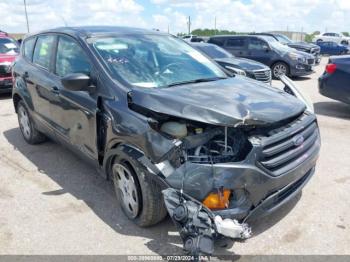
171	129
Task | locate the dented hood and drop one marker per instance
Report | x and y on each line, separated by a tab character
228	102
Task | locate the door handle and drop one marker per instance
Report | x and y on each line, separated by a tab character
55	90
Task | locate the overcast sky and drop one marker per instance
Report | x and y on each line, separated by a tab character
237	15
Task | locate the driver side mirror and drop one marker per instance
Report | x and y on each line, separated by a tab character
77	82
266	48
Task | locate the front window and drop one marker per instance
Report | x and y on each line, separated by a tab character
154	60
71	58
257	44
8	46
214	51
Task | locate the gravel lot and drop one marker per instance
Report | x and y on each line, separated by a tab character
51	202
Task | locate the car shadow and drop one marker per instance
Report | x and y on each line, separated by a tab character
333	109
301	78
5	96
79	179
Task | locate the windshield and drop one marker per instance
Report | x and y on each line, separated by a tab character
281	47
283	39
268	38
155	60
8	46
214	51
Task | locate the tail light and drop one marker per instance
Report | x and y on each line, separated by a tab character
330	68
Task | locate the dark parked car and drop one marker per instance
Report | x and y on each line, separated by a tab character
332	48
301	46
8	54
240	66
335	81
267	50
153	113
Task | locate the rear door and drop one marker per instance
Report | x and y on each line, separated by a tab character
38	78
236	46
259	50
74	116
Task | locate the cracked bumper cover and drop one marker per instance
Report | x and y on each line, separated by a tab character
258	192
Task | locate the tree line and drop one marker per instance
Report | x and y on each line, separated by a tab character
211	32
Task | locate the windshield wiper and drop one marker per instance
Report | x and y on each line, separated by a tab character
200	80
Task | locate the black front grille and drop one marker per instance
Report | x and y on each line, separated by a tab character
311	61
289	146
263	75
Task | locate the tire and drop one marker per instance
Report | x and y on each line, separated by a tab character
139	196
319	40
30	134
344	42
279	68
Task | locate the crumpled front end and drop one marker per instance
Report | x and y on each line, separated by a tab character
225	173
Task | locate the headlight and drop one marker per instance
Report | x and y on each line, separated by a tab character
236	70
295	56
302	60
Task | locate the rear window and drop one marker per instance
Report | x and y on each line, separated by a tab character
43	51
28	47
217	41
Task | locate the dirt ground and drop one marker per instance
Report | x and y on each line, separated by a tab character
51	202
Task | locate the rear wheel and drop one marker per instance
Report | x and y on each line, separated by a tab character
30	134
278	69
139	196
344	42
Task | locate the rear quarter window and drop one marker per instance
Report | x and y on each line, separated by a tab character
28	47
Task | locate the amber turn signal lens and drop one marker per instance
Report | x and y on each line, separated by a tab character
219	200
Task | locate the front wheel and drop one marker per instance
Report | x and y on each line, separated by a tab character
30	134
139	196
278	69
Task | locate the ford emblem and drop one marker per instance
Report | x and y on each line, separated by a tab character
298	140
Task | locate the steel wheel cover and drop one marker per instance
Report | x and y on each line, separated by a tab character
125	183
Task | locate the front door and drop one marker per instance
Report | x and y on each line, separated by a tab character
74	117
259	50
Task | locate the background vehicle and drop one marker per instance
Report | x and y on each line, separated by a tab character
301	46
335	81
124	99
193	38
239	66
8	54
332	48
332	37
267	50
